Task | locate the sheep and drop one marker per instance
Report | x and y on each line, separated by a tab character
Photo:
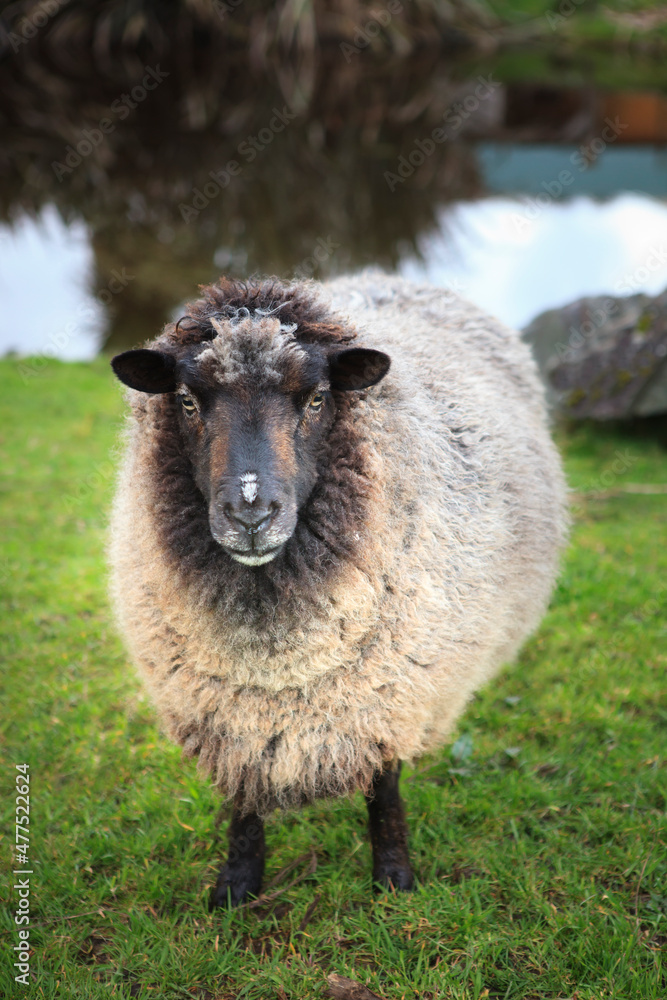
339	513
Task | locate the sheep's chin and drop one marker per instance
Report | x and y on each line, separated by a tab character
254	559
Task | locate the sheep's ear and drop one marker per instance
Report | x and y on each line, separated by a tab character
357	368
147	371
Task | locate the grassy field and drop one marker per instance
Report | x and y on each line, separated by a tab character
537	837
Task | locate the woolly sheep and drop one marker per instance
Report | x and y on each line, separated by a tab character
340	512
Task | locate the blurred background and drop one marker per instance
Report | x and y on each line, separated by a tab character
513	153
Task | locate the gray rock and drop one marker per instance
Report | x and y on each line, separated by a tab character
604	358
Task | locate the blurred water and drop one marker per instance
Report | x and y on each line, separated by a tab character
532	169
517	257
514	256
46	268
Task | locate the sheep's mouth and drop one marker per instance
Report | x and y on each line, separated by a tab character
252	558
251	548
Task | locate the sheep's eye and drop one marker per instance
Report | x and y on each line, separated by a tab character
316	401
188	405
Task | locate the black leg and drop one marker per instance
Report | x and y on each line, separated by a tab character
241	877
388	830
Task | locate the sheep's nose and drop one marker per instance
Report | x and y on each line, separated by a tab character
252	519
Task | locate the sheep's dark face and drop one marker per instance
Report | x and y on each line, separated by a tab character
255	408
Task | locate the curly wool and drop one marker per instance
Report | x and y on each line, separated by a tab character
424	557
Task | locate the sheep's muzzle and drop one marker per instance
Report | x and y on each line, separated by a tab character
252	518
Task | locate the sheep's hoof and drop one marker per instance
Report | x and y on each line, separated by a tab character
235	885
395	878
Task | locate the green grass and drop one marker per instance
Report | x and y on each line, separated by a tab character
537	840
613	45
616	45
592	16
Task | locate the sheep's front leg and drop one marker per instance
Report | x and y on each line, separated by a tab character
388	830
241	877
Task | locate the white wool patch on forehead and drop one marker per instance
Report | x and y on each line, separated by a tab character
254	347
